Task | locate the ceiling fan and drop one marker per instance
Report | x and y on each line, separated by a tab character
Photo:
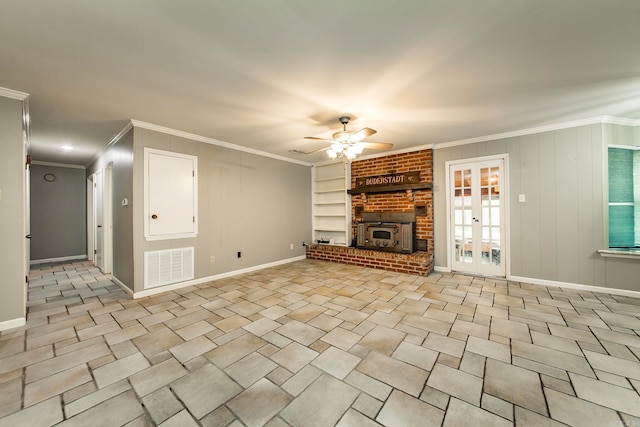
347	144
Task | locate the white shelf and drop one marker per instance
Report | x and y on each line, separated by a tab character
331	203
336	190
330	179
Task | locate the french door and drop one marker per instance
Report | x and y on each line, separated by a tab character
477	217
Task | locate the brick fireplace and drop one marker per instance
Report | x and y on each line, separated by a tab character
419	202
416	200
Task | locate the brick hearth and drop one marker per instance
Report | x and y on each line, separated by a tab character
420	263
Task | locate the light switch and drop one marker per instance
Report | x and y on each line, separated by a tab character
125	202
521	198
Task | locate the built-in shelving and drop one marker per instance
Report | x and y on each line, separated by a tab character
331	204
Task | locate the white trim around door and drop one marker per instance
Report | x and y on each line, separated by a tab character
477	206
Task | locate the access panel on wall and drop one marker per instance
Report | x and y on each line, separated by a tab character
171	195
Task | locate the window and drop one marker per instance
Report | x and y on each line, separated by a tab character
624	197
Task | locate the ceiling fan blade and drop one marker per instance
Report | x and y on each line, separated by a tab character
320	139
362	134
378	145
309	152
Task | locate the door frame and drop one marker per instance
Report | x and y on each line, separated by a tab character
27	230
90	230
506	229
107	217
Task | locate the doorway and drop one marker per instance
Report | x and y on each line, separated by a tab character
476	206
101	240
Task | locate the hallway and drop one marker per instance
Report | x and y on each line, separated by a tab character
319	343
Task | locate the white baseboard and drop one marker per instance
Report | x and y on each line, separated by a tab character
59	259
13	323
557	284
589	288
160	289
124	287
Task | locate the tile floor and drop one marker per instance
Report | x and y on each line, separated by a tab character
318	343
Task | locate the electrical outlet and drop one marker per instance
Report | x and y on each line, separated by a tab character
239	254
291	246
213	259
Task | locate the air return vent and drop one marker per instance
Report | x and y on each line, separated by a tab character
167	266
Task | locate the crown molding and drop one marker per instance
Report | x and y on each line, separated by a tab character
57	165
398	151
541	129
112	141
529	131
620	121
212	141
13	94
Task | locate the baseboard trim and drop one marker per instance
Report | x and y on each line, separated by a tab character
13	323
172	287
124	287
59	259
589	288
558	284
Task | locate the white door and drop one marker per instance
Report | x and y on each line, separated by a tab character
90	218
476	223
98	215
107	219
171	195
27	228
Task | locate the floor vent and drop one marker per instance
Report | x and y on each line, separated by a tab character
167	266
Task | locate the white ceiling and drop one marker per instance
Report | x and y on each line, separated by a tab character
264	74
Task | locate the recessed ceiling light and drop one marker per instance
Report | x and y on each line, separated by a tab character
67	147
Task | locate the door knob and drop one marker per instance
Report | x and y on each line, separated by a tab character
28	236
154	216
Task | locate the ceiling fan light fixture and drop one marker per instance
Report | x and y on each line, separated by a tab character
348	145
351	152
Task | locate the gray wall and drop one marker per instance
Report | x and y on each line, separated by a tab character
12	212
556	233
120	156
58	213
248	203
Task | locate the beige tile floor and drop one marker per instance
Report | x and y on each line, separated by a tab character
318	343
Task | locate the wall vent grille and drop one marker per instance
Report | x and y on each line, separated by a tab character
167	266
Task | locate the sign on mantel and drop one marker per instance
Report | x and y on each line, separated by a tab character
389	180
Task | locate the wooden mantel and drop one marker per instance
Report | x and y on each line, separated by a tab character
392	188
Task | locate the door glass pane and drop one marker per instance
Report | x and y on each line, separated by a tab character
490	219
462	215
457	179
484	177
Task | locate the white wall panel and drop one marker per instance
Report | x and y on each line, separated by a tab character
556	233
